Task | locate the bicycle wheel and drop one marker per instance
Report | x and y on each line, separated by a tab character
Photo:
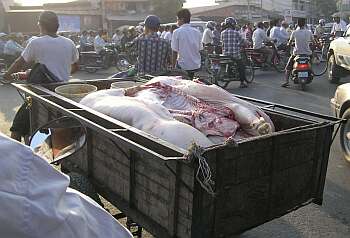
279	63
249	72
220	79
319	66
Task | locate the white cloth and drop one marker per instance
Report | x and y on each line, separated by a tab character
341	26
35	200
208	36
284	36
259	37
168	36
12	48
163	34
99	44
116	39
57	53
303	38
186	41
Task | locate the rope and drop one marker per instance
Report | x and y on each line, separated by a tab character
203	174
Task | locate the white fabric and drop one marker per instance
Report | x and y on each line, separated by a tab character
168	36
187	43
35	201
163	34
57	53
341	26
303	38
99	44
12	48
116	39
208	36
259	37
284	36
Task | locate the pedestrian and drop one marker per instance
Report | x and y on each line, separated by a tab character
12	48
259	40
99	42
232	42
186	44
166	30
3	37
83	41
169	35
249	33
116	38
208	35
57	53
339	25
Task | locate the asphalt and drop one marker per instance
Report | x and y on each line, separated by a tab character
332	219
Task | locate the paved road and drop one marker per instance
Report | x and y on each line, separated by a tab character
330	220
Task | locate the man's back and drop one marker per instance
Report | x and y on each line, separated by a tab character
186	42
57	53
302	38
231	42
153	54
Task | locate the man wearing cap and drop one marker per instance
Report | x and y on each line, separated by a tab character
153	53
186	44
57	53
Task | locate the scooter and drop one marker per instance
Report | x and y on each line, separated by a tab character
302	72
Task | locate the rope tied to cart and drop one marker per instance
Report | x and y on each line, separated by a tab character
203	175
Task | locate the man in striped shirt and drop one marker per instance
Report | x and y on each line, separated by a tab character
232	42
153	53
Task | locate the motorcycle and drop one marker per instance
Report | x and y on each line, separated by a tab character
302	71
224	69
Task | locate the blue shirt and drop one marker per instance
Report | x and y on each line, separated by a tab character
152	54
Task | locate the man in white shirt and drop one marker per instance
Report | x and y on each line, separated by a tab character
57	53
284	36
338	25
116	38
259	37
186	44
208	35
169	35
302	38
35	200
166	30
99	42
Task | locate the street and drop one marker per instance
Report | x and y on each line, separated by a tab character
332	219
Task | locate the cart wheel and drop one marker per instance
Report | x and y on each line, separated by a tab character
345	135
82	184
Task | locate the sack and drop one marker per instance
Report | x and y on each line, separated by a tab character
41	75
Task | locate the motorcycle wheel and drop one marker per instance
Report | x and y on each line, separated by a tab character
122	63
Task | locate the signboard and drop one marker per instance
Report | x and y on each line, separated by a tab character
69	23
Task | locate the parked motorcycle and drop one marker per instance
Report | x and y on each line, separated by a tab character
302	71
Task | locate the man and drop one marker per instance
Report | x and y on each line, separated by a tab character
208	35
2	43
275	33
166	30
259	38
91	37
320	30
302	38
232	42
35	200
99	42
153	53
12	49
284	36
116	38
83	41
169	35
186	44
338	26
249	33
217	39
57	53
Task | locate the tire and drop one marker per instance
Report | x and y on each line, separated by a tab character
83	185
249	72
344	136
122	63
333	70
279	64
319	66
303	86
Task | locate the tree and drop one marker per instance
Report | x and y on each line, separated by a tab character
324	8
166	9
